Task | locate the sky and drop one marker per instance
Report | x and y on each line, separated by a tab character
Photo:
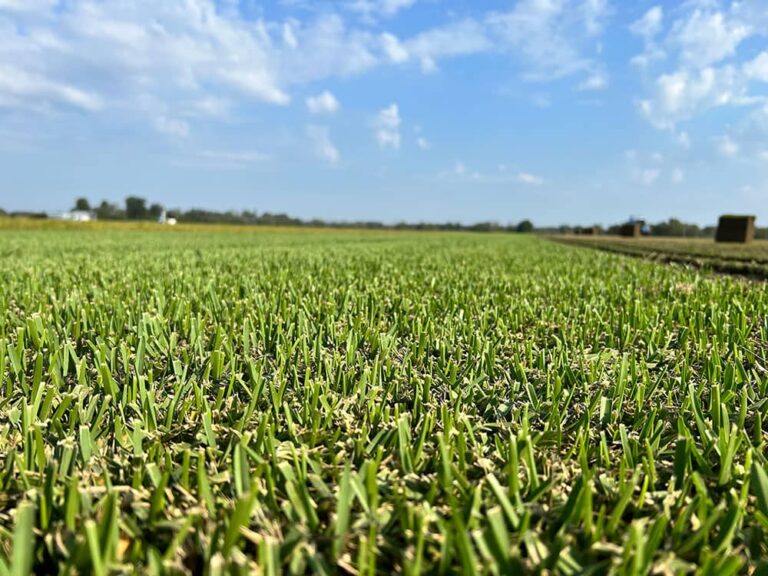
560	111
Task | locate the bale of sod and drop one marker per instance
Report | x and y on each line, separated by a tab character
737	229
631	230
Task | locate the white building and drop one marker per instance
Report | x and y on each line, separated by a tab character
165	220
77	216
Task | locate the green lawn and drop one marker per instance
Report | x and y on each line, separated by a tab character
213	400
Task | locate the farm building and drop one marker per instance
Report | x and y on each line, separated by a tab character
740	229
77	216
164	219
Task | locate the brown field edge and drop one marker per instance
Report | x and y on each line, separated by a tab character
737	266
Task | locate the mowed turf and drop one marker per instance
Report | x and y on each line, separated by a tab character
211	401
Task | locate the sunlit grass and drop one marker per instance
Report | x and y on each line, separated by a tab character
208	401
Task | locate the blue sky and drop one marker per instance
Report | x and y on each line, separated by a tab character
560	111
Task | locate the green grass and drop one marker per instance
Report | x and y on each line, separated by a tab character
204	401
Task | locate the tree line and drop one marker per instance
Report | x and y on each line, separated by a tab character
136	208
669	228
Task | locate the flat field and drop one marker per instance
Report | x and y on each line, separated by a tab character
201	400
746	259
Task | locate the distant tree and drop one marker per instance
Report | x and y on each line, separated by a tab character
674	227
107	211
155	211
525	226
82	204
135	208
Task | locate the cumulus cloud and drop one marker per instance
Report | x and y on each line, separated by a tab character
650	24
757	69
93	55
550	35
324	103
706	38
702	45
128	53
679	95
387	127
393	48
324	148
648	27
423	143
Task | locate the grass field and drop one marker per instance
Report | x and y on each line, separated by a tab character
745	259
214	401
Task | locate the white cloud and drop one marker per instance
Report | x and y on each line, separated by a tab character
26	5
380	8
706	38
328	48
172	127
678	176
529	179
323	146
594	14
550	34
387	127
681	94
709	71
22	88
648	27
393	48
595	82
727	147
461	38
125	54
757	69
460	169
650	24
289	36
423	143
324	103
